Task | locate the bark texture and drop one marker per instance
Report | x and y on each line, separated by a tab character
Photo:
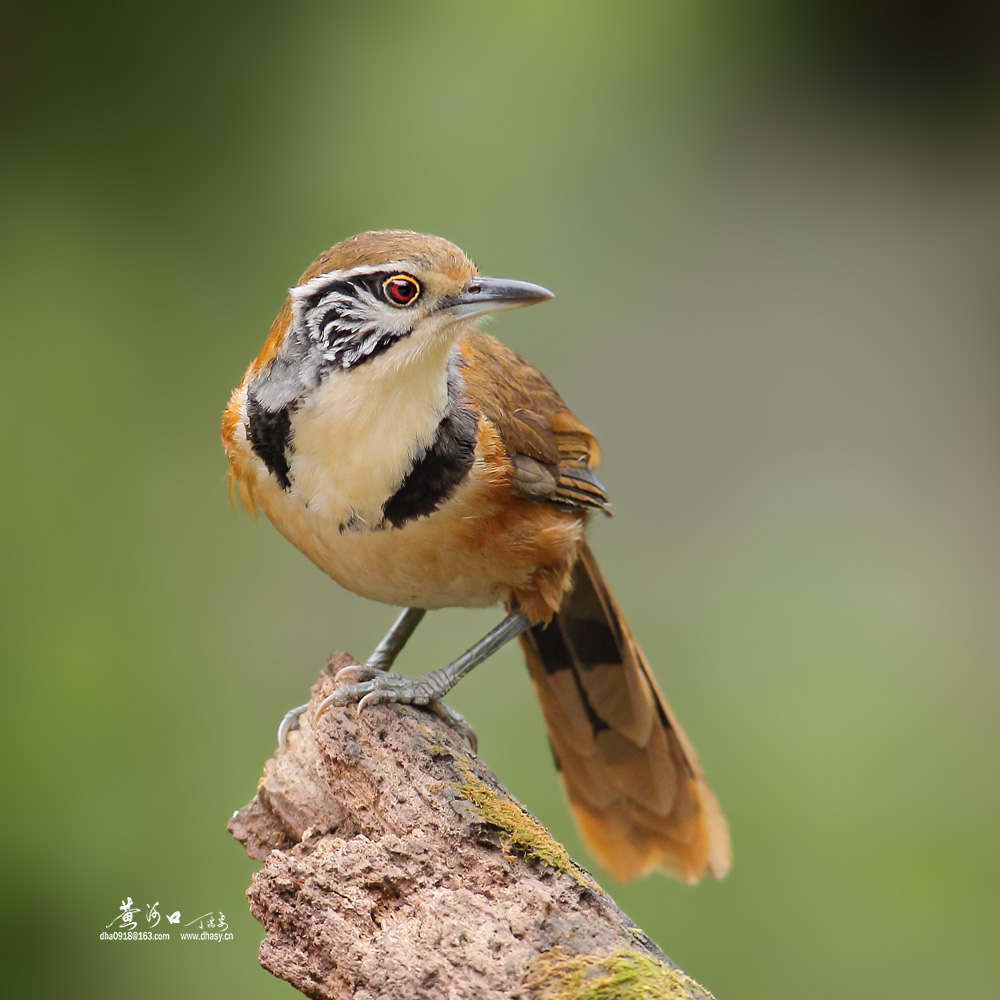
395	865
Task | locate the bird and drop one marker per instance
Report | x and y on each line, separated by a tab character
421	463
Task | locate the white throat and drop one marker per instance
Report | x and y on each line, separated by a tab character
357	435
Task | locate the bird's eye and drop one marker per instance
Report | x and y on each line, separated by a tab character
400	290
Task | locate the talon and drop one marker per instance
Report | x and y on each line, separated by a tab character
467	733
323	706
290	722
344	694
358	672
457	722
372	698
338	698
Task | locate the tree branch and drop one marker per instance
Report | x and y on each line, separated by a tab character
395	865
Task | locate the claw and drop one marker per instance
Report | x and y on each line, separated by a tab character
356	672
372	698
343	695
382	687
289	722
330	699
457	721
348	674
469	735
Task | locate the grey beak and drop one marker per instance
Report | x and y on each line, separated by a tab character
487	295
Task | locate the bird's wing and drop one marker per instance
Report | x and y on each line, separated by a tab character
552	452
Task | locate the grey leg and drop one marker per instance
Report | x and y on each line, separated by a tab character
381	659
388	649
385	687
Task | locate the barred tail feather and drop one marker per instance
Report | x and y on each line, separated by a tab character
632	777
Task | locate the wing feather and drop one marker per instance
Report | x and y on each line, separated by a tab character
552	451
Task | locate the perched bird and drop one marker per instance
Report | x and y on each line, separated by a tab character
422	463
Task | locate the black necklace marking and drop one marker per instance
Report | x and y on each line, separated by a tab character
435	474
269	432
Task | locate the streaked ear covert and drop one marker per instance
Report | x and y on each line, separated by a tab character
401	290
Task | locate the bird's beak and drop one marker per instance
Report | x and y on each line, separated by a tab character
487	295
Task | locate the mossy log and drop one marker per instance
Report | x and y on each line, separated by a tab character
396	865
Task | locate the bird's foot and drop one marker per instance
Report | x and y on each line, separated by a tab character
290	722
367	684
377	663
457	721
356	672
371	686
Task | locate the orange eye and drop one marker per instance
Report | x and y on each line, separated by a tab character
400	290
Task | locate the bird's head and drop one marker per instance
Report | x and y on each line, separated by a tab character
369	293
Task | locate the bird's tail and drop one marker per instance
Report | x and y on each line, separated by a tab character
633	779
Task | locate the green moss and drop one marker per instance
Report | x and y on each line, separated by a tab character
428	732
622	975
520	832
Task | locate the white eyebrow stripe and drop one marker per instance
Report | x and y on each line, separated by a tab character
310	288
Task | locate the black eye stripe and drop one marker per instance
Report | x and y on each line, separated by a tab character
345	322
351	286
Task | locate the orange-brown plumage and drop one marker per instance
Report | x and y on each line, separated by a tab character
633	779
332	466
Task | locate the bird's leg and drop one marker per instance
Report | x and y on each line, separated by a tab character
381	659
385	653
432	687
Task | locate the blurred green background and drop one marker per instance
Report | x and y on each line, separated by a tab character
773	239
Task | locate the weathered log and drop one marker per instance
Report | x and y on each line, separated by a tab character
396	866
